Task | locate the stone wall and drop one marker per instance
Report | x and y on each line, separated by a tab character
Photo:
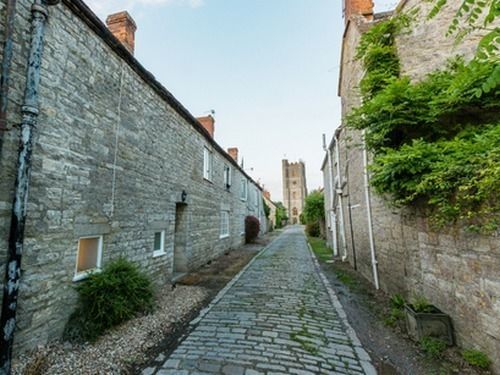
455	270
294	189
112	156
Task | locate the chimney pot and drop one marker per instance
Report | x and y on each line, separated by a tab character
208	122
123	27
233	152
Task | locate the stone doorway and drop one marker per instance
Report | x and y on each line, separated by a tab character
180	264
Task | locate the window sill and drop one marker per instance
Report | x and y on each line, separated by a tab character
158	253
208	180
85	274
223	236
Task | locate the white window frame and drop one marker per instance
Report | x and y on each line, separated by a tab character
224	224
228	177
256	196
208	158
84	274
161	251
244	189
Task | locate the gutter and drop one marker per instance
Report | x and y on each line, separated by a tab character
340	193
29	112
331	211
6	63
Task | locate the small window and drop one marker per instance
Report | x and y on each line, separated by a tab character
224	224
227	177
159	244
244	189
207	164
256	198
88	258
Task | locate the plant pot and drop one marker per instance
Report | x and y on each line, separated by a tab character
435	324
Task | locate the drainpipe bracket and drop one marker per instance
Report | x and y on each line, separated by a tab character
37	8
30	110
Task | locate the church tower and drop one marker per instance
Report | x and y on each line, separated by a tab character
294	189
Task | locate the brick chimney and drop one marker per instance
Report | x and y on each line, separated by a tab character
208	123
233	152
123	27
358	7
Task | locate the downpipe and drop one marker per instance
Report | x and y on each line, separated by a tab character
369	213
29	112
341	210
331	212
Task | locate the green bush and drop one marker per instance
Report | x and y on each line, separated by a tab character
476	358
252	228
433	347
397	301
313	229
421	305
314	207
108	298
431	140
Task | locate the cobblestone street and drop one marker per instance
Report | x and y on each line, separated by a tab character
277	317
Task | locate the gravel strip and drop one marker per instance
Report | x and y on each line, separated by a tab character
120	347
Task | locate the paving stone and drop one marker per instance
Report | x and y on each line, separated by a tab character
277	318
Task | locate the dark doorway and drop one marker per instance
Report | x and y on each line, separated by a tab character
180	240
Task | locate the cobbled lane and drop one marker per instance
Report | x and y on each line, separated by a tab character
277	317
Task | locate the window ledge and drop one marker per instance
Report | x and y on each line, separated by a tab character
208	180
159	253
85	274
223	236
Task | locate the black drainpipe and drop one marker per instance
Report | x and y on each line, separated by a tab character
5	75
29	111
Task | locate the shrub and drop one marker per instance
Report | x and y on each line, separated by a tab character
314	207
313	229
252	228
108	298
397	301
395	316
433	347
476	358
421	305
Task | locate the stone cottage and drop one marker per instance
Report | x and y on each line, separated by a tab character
119	167
396	249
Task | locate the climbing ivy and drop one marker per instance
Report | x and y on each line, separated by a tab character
436	141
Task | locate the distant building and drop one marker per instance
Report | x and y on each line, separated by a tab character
294	189
266	195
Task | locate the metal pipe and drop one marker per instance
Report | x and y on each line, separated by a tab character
6	62
30	112
369	213
341	211
331	213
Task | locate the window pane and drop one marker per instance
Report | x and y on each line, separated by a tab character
157	241
88	250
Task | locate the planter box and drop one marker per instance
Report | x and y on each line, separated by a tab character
435	324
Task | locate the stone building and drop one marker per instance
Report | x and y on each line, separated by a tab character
294	189
396	249
272	209
119	167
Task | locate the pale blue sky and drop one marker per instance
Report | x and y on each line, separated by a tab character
269	68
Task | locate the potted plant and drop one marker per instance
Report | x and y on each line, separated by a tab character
426	320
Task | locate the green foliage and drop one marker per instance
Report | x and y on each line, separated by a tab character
433	347
379	56
437	107
267	209
475	15
314	207
430	140
280	214
108	298
395	316
320	249
397	302
313	229
476	358
421	305
252	228
457	179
